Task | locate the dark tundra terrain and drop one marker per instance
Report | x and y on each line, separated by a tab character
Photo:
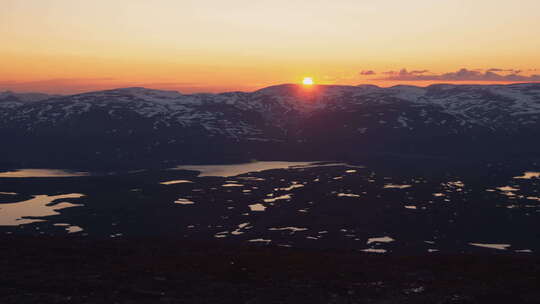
375	208
381	195
81	270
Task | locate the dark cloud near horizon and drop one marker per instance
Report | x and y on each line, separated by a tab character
504	70
367	72
404	72
461	75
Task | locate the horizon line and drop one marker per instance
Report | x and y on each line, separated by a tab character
157	88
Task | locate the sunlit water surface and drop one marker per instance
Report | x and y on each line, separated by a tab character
25	173
24	212
238	169
278	208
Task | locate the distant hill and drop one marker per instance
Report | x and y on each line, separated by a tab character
24	97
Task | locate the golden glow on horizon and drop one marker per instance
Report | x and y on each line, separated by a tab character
66	46
307	81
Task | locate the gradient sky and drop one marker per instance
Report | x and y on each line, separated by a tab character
66	46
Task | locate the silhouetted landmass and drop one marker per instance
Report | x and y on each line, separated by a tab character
51	270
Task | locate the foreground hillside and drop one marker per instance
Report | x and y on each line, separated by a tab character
72	270
137	127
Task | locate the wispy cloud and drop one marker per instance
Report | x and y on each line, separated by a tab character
493	74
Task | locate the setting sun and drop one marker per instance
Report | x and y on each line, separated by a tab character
307	81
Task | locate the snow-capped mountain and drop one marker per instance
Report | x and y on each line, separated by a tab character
285	121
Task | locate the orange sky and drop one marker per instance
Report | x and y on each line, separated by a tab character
66	46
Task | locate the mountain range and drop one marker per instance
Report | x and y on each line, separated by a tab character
139	127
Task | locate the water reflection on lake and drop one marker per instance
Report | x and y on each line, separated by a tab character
15	214
257	207
395	186
492	246
282	197
348	195
290	229
69	228
528	175
22	173
384	239
374	250
238	169
184	201
303	205
178	181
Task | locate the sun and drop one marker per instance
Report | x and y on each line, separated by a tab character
307	81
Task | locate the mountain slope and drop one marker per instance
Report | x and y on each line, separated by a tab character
151	127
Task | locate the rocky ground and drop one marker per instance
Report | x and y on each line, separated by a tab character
77	270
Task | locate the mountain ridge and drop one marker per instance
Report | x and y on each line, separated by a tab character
277	122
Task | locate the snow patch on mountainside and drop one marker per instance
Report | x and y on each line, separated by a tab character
285	108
